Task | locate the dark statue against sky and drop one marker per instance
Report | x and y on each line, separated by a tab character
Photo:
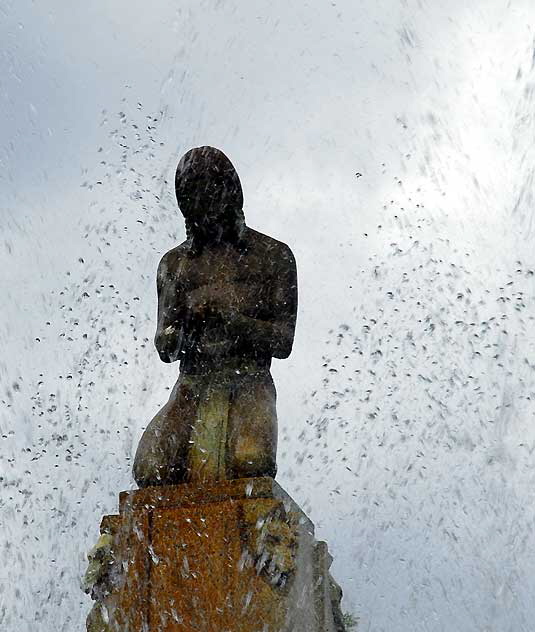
205	552
227	302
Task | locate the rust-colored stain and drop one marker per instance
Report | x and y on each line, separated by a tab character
187	565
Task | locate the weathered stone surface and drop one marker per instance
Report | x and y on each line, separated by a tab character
237	556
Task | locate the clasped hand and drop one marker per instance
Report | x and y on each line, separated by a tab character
211	299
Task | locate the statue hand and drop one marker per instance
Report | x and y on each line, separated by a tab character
198	301
210	299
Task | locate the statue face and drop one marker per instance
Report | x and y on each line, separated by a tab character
208	191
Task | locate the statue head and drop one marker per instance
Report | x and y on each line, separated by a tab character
209	195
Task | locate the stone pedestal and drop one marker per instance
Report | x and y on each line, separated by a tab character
236	556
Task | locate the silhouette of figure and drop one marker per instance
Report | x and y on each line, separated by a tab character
227	302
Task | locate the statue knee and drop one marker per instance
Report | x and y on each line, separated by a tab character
248	459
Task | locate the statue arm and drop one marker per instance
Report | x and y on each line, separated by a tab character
284	306
276	334
169	337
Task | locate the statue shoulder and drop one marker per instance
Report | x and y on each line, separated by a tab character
273	249
171	260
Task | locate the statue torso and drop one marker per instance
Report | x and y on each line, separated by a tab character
243	276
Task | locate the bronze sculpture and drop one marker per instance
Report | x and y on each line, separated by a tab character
227	302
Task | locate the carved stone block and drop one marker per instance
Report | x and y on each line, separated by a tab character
237	556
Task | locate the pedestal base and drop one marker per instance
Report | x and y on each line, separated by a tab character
237	556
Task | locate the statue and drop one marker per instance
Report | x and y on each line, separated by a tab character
210	541
227	302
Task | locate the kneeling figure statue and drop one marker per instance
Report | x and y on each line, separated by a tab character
227	302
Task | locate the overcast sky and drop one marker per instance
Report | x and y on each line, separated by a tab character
390	144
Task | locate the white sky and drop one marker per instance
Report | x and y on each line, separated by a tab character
421	480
